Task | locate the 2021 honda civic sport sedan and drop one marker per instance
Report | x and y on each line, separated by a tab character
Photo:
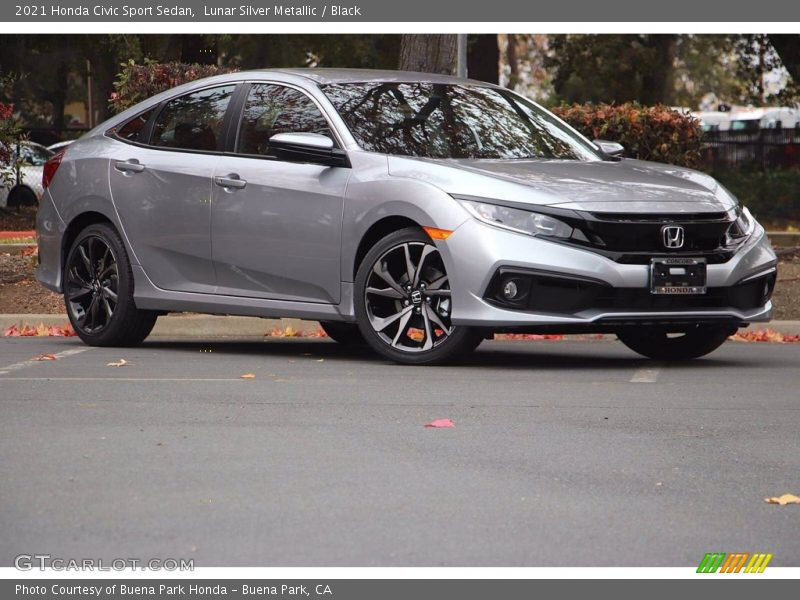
417	213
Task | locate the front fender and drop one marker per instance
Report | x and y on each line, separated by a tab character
368	201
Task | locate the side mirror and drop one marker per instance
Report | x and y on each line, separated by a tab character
308	147
612	149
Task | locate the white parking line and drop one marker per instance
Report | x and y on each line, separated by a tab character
646	375
147	379
32	361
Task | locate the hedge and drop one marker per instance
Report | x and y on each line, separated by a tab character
655	133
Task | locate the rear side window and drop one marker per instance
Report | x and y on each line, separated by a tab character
133	130
193	121
271	109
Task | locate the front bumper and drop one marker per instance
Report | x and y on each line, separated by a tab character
475	253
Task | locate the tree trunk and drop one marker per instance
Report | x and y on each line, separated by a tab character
483	58
657	85
513	61
788	48
428	53
59	94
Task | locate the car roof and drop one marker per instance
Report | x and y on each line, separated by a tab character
323	76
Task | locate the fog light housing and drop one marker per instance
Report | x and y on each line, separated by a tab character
510	290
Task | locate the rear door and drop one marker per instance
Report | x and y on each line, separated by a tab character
276	225
162	186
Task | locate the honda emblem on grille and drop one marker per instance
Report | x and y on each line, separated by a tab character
672	236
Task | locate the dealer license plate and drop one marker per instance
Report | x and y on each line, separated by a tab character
678	276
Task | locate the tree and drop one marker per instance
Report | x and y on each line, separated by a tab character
613	68
705	68
428	53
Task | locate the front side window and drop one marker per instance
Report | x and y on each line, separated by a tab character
271	109
193	121
452	121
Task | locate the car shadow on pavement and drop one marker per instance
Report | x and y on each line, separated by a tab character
495	355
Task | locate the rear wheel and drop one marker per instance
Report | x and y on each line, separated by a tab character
98	291
660	343
404	305
344	333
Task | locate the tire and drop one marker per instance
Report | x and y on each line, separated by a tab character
405	316
21	196
347	334
655	342
96	271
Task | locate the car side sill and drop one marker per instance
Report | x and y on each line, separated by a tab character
150	297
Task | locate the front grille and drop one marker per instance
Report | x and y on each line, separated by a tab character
636	238
629	233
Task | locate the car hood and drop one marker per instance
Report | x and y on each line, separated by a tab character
598	186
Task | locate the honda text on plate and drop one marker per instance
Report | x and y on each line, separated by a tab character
417	213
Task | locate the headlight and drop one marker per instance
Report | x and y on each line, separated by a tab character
515	219
741	228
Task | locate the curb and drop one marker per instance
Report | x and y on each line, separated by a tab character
191	326
213	326
15	248
784	238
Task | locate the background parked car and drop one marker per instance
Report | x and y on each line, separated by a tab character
59	145
25	190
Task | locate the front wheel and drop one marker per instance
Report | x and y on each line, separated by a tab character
404	305
661	344
98	291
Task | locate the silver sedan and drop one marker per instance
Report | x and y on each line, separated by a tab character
416	213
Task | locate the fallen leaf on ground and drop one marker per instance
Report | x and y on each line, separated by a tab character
441	423
530	337
766	335
783	500
26	330
288	332
45	356
120	363
248	376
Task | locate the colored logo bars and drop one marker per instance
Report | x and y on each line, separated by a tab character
734	563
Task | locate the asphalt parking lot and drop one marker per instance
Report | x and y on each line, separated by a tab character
564	453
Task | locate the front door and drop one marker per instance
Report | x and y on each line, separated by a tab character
276	226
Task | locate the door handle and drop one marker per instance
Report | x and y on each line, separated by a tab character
230	181
129	166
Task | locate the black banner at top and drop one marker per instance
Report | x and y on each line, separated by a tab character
466	11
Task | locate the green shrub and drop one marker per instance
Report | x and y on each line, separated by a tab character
772	195
655	133
135	82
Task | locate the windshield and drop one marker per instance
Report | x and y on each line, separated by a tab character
452	121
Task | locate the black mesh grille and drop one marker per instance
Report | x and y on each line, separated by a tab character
627	235
636	238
